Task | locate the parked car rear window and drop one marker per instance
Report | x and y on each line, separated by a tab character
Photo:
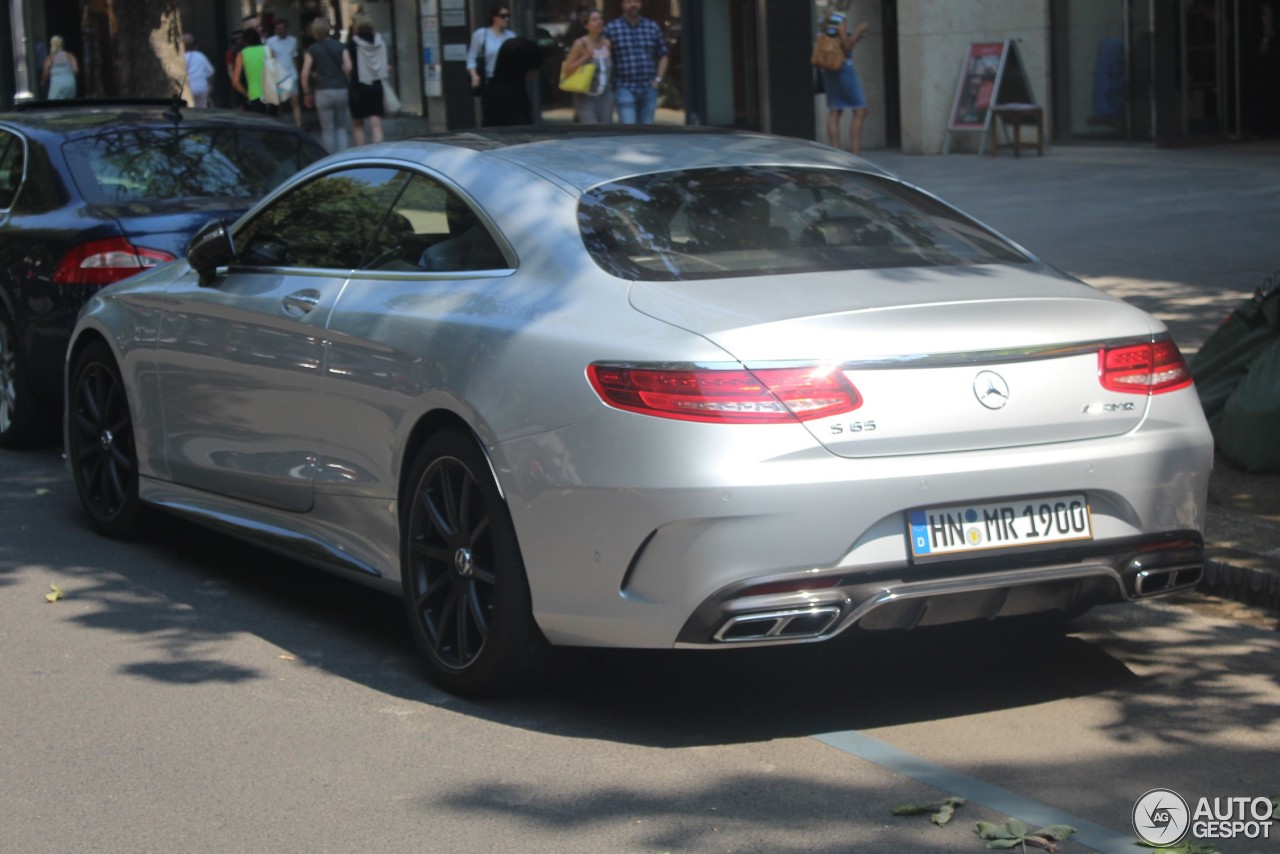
757	221
163	163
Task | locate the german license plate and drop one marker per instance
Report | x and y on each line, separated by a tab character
975	527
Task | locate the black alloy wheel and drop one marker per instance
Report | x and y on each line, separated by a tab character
104	461
464	584
24	421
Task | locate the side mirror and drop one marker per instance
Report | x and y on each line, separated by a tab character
210	249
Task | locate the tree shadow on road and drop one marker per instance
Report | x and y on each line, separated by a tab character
185	592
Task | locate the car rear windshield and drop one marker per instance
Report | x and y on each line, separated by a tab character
763	221
166	163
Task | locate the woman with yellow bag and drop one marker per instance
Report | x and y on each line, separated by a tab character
585	73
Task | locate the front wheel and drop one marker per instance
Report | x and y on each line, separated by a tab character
465	588
104	461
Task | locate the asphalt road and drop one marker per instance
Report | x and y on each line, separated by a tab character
192	693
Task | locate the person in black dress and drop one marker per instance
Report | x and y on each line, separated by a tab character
505	99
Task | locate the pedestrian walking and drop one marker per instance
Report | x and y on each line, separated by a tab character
199	71
843	88
331	67
506	94
595	106
246	77
482	56
284	50
248	22
60	71
639	63
368	57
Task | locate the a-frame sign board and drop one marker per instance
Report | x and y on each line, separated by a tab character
992	74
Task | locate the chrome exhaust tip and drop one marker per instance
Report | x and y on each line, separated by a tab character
795	624
1166	579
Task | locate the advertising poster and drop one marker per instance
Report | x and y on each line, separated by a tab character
978	79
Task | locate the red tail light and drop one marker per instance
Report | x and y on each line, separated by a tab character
1143	368
769	396
101	262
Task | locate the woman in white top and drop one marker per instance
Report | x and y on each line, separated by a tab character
595	106
485	43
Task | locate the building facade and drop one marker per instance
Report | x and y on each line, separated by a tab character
1163	71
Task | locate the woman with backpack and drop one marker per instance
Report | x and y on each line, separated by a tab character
843	88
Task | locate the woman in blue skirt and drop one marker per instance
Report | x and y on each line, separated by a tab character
844	90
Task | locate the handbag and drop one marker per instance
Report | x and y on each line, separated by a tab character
480	66
580	80
828	53
270	81
390	101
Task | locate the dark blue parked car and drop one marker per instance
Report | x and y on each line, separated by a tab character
94	191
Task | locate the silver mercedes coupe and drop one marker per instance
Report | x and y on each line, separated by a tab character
642	387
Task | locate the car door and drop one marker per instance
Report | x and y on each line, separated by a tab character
241	361
400	325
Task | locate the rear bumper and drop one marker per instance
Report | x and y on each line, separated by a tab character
656	549
970	589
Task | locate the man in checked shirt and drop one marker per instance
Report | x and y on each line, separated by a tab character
639	63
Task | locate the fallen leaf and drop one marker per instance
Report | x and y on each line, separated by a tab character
1017	834
287	657
42	491
940	812
55	595
1056	832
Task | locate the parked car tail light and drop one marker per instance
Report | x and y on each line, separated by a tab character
1143	368
101	262
768	396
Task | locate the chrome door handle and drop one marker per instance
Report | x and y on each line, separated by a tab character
299	303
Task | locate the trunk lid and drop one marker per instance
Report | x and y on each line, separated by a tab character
946	359
168	224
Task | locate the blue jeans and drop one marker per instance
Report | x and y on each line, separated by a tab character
636	104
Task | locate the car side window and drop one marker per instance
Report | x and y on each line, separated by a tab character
325	223
433	228
10	168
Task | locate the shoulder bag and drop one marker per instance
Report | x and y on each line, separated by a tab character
270	79
580	80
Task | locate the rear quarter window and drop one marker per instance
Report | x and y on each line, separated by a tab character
11	162
756	221
166	163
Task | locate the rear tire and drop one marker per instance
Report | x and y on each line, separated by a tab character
24	420
100	446
465	590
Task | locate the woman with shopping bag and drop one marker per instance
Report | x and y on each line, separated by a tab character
369	59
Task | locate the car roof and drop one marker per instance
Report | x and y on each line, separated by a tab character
87	117
586	156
